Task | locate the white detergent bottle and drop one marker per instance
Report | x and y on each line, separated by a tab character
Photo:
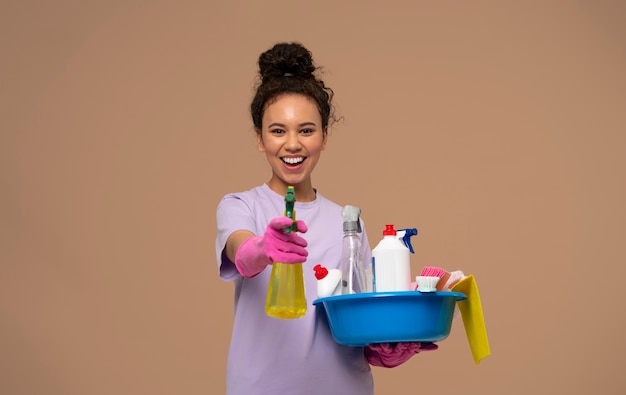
391	263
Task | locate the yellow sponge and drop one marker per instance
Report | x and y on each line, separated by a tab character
473	318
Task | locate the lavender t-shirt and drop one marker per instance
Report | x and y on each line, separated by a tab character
278	356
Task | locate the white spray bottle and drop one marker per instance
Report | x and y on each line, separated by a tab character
391	263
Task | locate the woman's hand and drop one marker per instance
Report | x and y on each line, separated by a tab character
390	355
276	245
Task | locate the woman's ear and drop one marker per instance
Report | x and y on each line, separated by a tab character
259	141
324	138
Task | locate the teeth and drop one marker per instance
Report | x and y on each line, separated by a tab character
293	161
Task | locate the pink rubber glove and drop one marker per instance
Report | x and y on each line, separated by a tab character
390	355
276	245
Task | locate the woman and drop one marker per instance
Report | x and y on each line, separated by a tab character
291	112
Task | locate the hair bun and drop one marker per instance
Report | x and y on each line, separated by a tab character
286	59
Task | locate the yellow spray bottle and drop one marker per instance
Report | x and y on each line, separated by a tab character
285	294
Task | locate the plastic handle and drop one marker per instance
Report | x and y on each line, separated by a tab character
406	239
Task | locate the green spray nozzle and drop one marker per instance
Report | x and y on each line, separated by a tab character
290	201
405	235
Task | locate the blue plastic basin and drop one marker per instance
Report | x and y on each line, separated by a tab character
382	317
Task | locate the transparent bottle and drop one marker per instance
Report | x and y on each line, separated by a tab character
285	293
356	275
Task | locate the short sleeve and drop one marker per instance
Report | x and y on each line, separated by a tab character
233	214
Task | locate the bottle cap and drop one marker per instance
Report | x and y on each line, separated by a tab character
389	231
320	271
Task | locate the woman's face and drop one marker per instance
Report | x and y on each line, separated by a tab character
292	139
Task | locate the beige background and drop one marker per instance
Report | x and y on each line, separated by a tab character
495	128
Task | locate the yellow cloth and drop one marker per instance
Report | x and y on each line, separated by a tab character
473	318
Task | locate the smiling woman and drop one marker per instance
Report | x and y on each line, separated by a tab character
291	113
292	141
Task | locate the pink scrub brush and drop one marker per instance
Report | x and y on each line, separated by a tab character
434	271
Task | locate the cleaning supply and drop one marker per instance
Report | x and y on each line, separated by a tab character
427	283
356	275
391	263
328	281
443	275
285	294
473	318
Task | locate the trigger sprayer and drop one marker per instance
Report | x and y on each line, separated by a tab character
290	201
405	236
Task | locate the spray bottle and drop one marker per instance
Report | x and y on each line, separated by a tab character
391	263
356	275
285	293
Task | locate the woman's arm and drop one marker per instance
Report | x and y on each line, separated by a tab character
234	241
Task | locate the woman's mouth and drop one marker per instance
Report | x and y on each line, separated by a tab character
293	160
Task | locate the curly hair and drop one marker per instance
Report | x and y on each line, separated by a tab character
289	68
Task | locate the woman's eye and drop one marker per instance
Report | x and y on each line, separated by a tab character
277	131
307	131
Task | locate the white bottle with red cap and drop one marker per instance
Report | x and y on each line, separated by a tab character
328	281
391	263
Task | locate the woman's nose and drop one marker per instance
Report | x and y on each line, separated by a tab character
293	141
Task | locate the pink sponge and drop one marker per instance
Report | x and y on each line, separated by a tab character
434	271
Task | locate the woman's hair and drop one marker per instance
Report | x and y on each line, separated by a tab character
289	68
